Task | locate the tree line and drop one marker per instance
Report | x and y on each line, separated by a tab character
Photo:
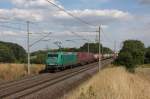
14	53
132	54
39	57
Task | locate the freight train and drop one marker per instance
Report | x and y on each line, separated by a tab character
62	60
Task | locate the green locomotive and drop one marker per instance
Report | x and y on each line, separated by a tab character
60	60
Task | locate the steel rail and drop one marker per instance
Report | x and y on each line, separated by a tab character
43	82
26	85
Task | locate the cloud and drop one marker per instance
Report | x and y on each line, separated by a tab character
61	19
33	9
146	2
10	33
52	19
20	14
104	26
95	1
96	17
109	13
117	23
38	4
106	13
29	3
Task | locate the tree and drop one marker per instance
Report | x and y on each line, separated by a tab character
132	54
94	48
18	51
69	50
6	55
39	57
12	52
106	50
126	59
147	55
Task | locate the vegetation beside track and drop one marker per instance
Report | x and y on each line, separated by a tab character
133	54
12	53
17	71
115	83
145	66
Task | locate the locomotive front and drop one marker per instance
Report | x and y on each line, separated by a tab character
51	61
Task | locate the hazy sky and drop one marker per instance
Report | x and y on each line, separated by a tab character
120	20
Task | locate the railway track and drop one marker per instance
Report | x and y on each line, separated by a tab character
15	82
25	87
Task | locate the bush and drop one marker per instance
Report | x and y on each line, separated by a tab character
39	57
131	55
126	59
147	56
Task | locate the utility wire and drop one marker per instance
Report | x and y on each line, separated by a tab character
17	21
77	35
40	39
14	36
16	28
74	33
12	22
108	39
70	14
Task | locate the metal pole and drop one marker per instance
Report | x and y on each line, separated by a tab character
114	46
88	48
99	65
114	49
28	45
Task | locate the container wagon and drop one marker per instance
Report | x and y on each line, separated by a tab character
85	58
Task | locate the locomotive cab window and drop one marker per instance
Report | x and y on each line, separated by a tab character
52	55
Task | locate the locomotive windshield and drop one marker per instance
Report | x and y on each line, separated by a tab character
52	55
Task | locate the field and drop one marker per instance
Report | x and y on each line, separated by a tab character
115	83
17	71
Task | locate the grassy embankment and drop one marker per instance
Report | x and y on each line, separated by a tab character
17	71
115	83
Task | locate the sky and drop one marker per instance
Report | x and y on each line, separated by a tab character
119	19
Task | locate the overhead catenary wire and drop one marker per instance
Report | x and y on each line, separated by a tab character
11	22
21	29
15	28
75	17
77	35
40	39
83	38
70	14
104	34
